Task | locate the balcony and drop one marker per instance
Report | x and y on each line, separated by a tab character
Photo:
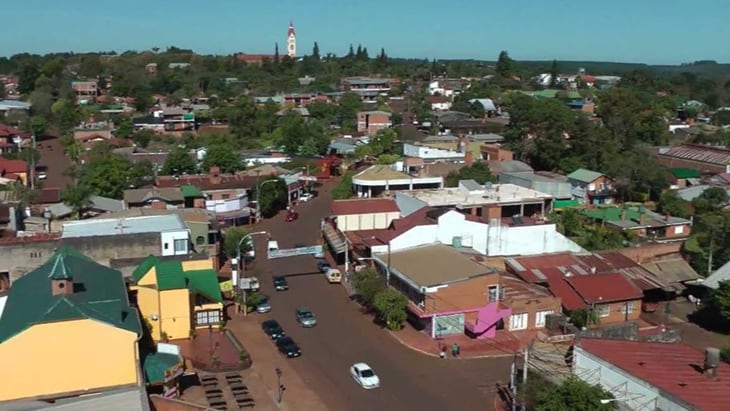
604	191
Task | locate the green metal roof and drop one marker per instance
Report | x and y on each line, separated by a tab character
156	364
685	173
558	204
144	268
190	191
584	175
613	213
99	293
171	276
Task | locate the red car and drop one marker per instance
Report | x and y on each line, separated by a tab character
292	216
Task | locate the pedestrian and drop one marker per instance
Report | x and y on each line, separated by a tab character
455	350
443	353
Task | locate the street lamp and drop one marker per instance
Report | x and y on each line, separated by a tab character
280	390
235	273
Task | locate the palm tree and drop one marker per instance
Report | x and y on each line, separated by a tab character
78	197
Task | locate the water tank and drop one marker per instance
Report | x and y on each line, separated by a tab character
712	358
456	242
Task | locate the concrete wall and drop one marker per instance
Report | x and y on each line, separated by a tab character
24	255
371	221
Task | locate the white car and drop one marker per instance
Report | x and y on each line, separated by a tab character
365	376
306	197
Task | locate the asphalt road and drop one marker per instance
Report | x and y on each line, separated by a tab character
344	335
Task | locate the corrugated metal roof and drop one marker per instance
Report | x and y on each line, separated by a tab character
710	155
130	399
113	226
584	175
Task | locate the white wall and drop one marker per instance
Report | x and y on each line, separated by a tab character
425	152
490	240
169	237
373	221
594	370
225	206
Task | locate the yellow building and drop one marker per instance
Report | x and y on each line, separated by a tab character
68	329
176	297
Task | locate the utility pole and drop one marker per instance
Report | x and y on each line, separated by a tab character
524	376
513	381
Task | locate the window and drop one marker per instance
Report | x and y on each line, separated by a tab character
225	196
493	293
540	317
603	310
627	307
678	229
211	317
167	246
181	245
518	321
199	240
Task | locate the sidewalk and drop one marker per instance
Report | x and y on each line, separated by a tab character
262	375
503	345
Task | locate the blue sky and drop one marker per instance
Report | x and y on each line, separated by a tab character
649	31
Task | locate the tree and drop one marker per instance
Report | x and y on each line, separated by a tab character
554	74
315	51
574	394
179	161
671	203
343	190
125	128
272	197
143	138
276	53
223	156
478	172
108	175
505	65
78	198
38	125
232	238
66	115
391	307
368	283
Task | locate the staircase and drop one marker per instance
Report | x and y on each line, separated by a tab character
487	319
335	238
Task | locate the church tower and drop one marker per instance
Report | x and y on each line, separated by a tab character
291	41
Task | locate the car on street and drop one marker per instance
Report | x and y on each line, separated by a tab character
292	216
324	266
288	347
305	317
365	376
273	329
280	283
263	306
306	197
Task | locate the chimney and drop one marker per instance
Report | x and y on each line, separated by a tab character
468	158
214	175
62	286
712	362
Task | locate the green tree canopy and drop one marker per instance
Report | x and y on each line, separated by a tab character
272	197
391	308
368	283
478	172
574	394
223	156
179	161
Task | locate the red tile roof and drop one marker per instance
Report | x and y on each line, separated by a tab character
367	206
671	368
7	131
604	288
12	166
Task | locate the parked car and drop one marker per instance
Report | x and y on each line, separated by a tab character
288	347
273	329
365	376
264	306
280	283
324	266
306	197
306	318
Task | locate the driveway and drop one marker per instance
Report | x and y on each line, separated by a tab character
343	336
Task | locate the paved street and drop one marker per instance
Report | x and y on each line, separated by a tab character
410	380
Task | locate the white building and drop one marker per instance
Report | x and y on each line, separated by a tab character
433	154
647	376
364	214
490	239
174	233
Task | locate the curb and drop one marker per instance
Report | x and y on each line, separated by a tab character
430	354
